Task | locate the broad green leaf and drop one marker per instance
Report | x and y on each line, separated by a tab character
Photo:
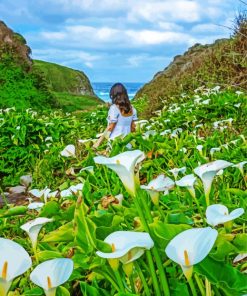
89	290
61	291
223	275
50	209
47	255
18	210
64	233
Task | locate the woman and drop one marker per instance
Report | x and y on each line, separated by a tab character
121	115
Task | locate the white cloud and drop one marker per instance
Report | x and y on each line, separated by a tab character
180	10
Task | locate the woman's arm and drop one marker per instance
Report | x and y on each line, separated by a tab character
109	128
133	127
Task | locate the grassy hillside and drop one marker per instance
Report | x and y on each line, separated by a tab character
64	79
36	84
71	88
223	63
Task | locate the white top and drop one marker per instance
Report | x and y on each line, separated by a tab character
123	123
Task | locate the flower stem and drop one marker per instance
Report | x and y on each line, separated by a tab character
149	256
163	279
144	282
119	281
208	287
107	179
132	284
108	277
200	285
192	287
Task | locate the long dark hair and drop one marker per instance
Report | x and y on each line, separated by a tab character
119	96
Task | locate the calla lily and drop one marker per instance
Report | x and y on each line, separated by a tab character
90	169
240	166
207	171
68	151
52	273
161	183
123	165
165	132
191	247
76	188
127	246
176	171
26	180
218	214
188	182
35	206
14	261
213	150
199	148
41	193
239	257
33	228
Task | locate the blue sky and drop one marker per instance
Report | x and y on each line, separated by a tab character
117	40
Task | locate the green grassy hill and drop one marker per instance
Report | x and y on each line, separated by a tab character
71	88
26	83
222	63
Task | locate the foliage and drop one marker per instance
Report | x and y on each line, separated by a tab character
82	220
222	63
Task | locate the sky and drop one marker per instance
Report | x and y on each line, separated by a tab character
117	40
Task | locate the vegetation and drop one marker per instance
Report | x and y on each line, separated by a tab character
36	84
223	63
81	206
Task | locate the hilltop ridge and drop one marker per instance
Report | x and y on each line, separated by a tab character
222	63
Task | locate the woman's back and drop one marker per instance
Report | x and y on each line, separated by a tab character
123	121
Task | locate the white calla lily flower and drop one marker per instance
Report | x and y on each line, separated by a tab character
76	188
14	260
188	182
240	166
166	132
52	273
120	198
68	151
33	228
35	206
41	193
127	246
161	183
90	169
123	165
26	180
176	171
240	257
207	172
218	214
191	247
213	150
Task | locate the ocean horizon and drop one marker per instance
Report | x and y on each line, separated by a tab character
101	89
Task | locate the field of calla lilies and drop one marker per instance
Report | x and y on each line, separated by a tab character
159	212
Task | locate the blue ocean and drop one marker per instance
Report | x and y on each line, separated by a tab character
102	89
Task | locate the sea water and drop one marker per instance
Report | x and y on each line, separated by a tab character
101	89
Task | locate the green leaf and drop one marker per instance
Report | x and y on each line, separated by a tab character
165	232
88	290
34	292
237	192
47	255
179	218
18	210
223	275
50	209
64	233
61	291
